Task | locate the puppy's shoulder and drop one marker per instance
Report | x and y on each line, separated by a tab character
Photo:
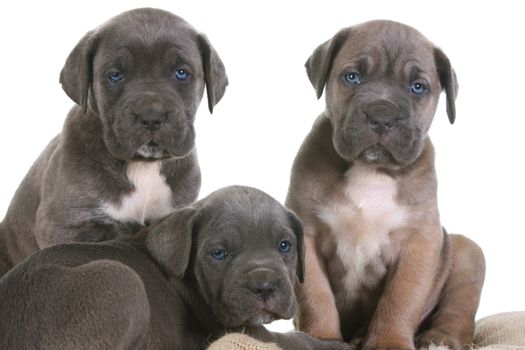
317	151
317	166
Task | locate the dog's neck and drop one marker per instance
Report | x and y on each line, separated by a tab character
201	316
200	321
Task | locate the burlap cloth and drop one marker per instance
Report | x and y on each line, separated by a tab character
503	331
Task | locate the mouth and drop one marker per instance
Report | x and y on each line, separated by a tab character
262	316
263	313
376	154
151	150
258	313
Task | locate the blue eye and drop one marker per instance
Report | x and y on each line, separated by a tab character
181	74
116	77
219	254
352	78
285	246
418	88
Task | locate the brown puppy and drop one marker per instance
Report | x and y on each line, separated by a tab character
378	263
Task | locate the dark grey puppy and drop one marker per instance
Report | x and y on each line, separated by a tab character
126	153
228	262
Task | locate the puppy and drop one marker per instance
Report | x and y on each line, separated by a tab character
379	266
126	154
228	262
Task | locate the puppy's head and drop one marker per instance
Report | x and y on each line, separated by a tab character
383	80
143	72
240	248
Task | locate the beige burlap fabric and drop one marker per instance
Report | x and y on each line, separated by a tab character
501	331
236	341
504	331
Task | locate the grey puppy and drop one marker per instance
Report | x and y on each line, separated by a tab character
126	153
228	262
380	270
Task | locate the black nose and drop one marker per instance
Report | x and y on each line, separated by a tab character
382	115
263	289
380	123
263	282
151	119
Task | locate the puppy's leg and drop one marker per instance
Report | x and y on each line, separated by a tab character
98	305
317	314
407	288
452	324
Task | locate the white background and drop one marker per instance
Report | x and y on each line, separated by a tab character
255	131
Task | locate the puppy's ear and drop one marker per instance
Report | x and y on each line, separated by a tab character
449	82
214	72
297	228
169	242
319	64
77	74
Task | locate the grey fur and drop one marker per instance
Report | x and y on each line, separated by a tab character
149	114
162	289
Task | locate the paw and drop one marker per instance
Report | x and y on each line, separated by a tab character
436	337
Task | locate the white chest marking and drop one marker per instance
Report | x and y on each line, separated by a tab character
150	199
361	221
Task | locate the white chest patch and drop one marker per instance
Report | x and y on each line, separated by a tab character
150	199
361	221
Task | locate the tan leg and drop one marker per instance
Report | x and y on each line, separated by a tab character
317	313
452	324
408	285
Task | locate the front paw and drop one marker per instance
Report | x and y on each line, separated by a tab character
438	338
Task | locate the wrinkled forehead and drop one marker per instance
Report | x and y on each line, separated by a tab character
387	44
148	33
243	216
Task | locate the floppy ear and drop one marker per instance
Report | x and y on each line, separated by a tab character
77	74
449	82
214	72
319	64
297	228
169	242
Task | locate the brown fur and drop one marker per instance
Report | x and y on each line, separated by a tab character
380	270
